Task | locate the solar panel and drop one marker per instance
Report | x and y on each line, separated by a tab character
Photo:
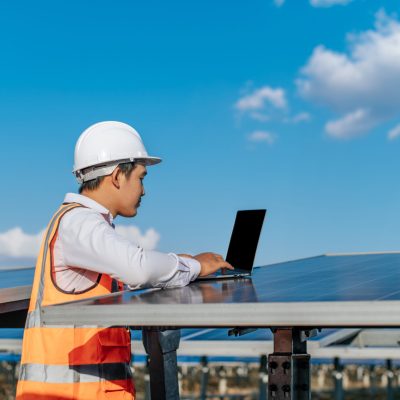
222	334
14	277
332	278
15	290
324	291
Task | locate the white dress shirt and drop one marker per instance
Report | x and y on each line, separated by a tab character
87	245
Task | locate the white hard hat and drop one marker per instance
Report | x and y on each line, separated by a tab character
104	145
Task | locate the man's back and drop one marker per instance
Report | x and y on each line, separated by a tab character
67	361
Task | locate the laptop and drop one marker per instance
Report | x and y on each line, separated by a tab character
242	246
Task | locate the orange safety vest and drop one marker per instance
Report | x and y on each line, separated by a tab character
70	362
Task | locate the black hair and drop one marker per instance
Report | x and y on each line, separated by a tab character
93	184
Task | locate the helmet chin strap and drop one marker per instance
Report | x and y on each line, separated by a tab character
95	173
104	169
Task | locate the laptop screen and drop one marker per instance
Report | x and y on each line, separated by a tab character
244	240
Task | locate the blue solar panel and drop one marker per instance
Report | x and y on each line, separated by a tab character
222	334
323	278
11	333
331	278
16	277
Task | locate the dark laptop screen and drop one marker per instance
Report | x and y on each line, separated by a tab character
244	239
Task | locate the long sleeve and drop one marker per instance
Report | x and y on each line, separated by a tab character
88	241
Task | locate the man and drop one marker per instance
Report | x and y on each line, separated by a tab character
82	256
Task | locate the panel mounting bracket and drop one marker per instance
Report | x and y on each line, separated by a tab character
289	364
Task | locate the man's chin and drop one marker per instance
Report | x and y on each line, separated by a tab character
130	213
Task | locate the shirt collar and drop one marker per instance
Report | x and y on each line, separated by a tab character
87	202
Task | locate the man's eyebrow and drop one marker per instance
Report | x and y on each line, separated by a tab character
144	173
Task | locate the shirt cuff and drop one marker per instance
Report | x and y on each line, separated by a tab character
190	264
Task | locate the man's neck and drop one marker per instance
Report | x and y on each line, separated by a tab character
102	199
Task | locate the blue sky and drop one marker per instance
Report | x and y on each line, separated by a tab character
290	106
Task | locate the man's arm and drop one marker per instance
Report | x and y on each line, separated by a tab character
89	242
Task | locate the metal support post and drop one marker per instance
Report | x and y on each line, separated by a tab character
147	380
14	376
338	377
205	371
372	380
161	348
289	366
389	375
263	378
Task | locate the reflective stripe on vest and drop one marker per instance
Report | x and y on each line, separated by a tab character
75	373
84	361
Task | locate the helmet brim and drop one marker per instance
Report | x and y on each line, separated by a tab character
149	160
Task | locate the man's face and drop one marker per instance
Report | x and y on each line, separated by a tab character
131	191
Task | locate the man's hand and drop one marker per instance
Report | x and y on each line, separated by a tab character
211	262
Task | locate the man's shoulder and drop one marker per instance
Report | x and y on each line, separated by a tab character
81	216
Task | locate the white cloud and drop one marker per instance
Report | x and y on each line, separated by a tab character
351	125
16	243
328	3
259	116
394	133
262	136
260	97
364	78
279	3
301	117
148	241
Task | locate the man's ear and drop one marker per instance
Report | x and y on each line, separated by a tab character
116	177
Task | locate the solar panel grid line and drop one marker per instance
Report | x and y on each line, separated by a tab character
297	286
393	296
315	282
358	284
387	296
196	334
304	276
361	253
322	268
337	336
373	287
